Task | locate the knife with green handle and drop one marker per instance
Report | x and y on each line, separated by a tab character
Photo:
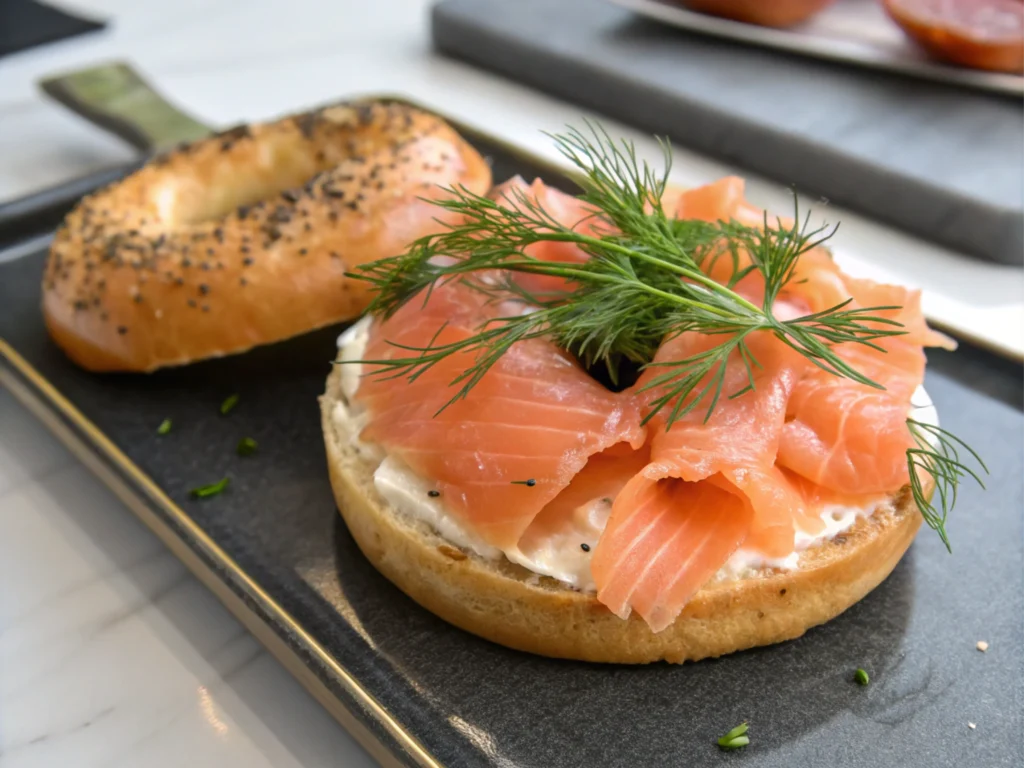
116	98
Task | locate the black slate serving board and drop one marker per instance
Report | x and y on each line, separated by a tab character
940	161
279	545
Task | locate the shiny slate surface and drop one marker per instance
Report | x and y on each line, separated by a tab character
471	703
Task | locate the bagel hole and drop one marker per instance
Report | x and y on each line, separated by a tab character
273	166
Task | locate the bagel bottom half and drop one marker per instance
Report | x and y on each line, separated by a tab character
510	605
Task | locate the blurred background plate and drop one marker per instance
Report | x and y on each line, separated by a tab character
851	31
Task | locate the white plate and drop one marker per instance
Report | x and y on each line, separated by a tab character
853	31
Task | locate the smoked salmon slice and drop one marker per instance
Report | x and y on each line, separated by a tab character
603	477
664	540
868	293
744	428
851	438
711	485
567	210
503	453
722	200
848	438
777	506
584	505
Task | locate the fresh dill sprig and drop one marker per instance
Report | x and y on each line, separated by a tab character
938	455
644	281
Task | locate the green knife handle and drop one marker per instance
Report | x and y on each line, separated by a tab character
116	98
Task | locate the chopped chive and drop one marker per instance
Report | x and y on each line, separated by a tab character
247	446
739	730
433	494
164	428
861	677
212	489
735	738
531	482
230	402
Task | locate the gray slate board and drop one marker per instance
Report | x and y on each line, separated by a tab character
939	161
473	704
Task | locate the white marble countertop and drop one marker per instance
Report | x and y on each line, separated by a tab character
111	654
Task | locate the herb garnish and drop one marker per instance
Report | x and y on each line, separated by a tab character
735	738
164	428
246	446
861	677
645	280
937	455
229	403
212	489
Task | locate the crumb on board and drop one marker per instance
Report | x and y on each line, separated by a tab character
982	646
972	726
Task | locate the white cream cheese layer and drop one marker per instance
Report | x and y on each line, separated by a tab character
559	555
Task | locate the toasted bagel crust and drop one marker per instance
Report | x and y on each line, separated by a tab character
244	238
512	606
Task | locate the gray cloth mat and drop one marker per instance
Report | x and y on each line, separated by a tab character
939	161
